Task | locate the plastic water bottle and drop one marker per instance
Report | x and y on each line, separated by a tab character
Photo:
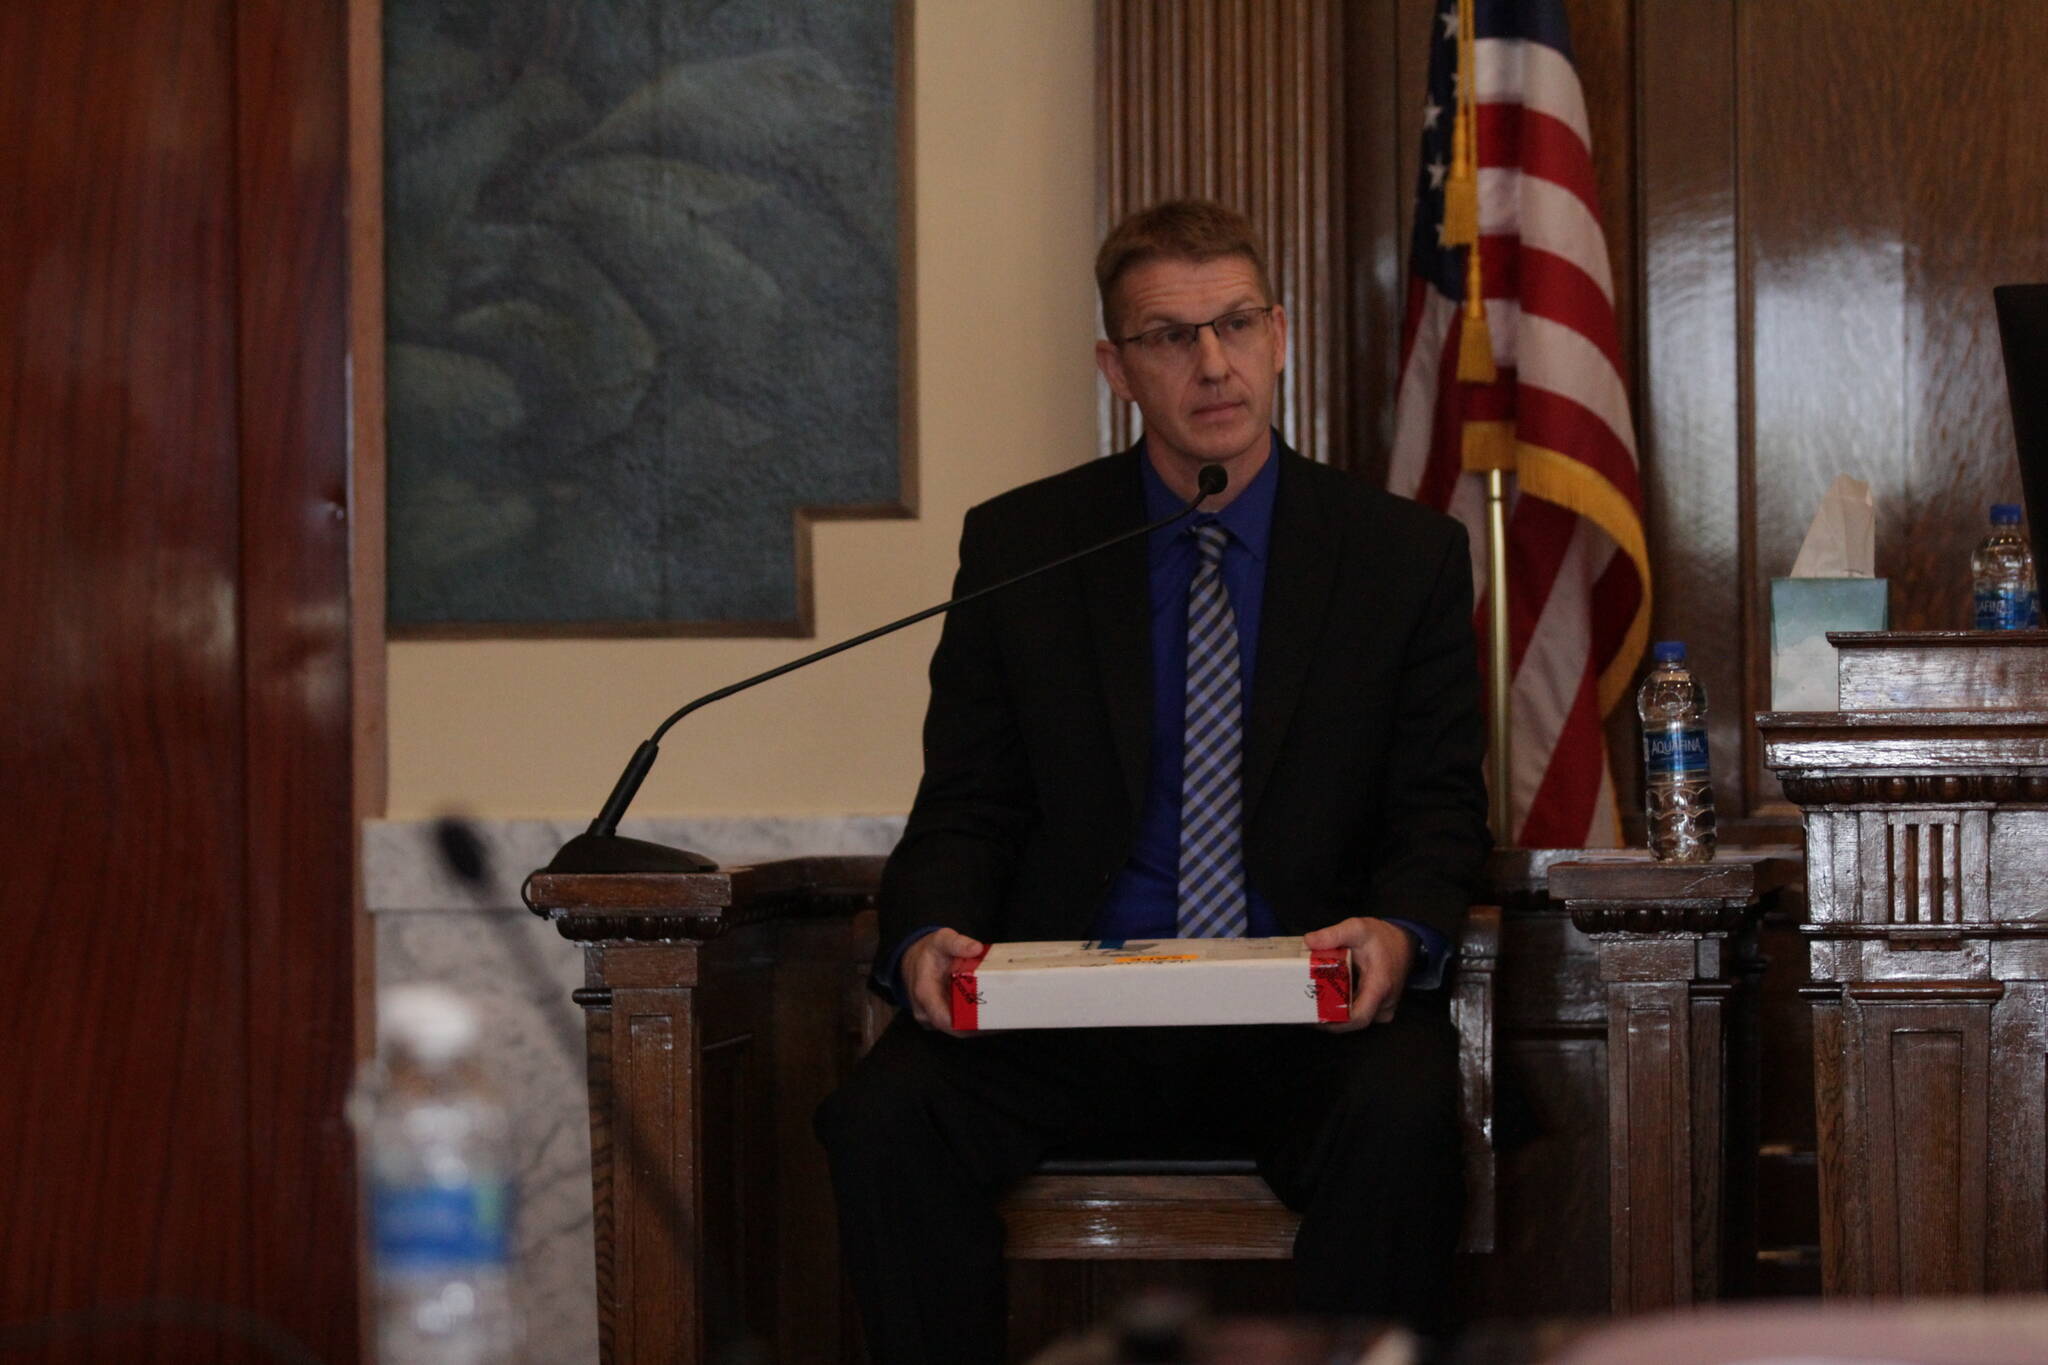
1678	790
2002	575
436	1162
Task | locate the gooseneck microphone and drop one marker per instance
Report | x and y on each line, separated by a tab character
601	848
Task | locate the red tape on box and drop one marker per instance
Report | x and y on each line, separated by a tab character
1330	970
966	994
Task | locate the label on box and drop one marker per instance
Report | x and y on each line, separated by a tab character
1150	983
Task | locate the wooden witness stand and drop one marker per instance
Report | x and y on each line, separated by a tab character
719	1009
722	1007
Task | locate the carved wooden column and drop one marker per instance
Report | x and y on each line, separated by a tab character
1676	952
1926	805
717	1015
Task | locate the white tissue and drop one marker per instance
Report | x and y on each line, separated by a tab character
1842	542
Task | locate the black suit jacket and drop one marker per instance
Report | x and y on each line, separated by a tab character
1362	785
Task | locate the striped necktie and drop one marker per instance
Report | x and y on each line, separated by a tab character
1211	855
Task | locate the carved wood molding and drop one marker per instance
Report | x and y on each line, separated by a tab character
1240	103
674	928
1670	917
655	907
1874	789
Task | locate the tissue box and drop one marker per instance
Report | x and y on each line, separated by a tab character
1110	983
1804	672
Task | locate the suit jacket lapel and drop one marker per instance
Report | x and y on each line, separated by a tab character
1115	585
1301	568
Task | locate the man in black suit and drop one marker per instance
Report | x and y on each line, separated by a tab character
1264	722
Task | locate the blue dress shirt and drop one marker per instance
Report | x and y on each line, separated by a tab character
1144	900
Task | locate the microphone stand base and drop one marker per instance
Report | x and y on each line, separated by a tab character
601	853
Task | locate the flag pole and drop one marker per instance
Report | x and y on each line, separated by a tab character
1500	732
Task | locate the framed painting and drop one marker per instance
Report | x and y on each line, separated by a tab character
646	281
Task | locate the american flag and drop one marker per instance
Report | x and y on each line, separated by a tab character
1510	359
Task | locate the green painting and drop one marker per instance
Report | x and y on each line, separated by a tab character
642	273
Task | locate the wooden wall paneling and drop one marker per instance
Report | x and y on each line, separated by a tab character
1873	234
173	618
1373	263
124	989
298	903
1237	101
1825	289
366	459
1412	22
1690	412
1604	53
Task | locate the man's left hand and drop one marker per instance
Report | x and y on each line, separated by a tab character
1381	955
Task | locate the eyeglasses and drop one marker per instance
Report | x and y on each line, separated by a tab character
1237	330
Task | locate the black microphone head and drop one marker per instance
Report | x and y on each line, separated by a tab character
461	849
1212	480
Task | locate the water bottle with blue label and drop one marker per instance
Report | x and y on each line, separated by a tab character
2002	575
436	1162
1678	788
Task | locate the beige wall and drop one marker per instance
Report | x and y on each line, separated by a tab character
1005	223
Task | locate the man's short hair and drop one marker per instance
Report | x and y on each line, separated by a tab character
1178	230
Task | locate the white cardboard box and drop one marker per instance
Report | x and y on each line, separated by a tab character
1151	982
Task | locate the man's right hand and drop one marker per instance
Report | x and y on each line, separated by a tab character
927	975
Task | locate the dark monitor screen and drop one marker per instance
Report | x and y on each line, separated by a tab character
2023	327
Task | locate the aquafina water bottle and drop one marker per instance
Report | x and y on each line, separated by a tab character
436	1161
2002	575
1678	790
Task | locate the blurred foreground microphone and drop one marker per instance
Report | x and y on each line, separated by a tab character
601	848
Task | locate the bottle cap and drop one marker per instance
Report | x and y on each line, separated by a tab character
1669	651
2005	514
434	1023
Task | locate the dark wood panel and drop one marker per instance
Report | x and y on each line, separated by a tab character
298	907
1369	106
124	988
173	621
1603	50
1871	236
